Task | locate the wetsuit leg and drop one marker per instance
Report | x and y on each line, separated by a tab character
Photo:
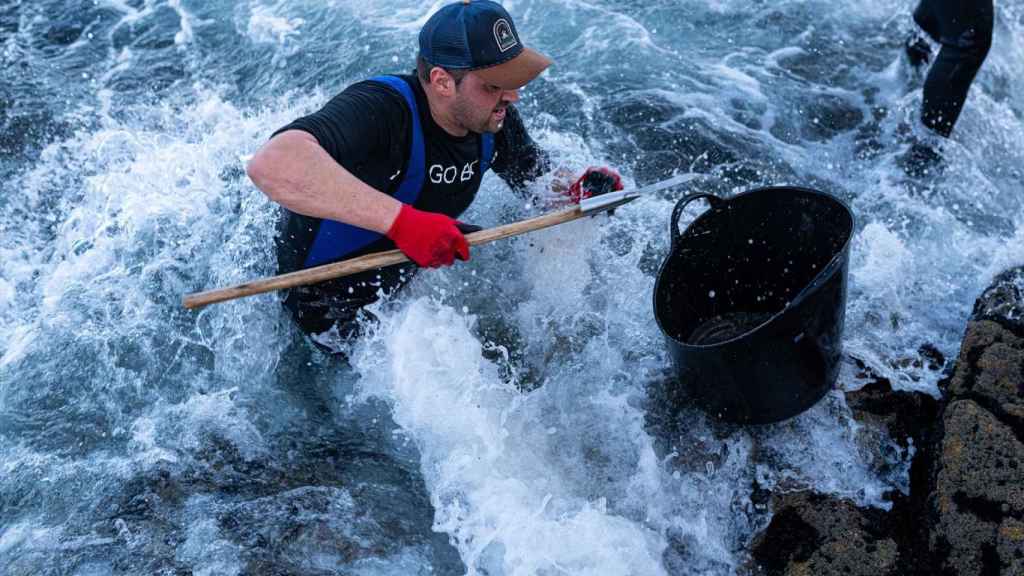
337	304
945	88
964	28
925	18
317	311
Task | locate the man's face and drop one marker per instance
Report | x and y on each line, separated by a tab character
479	106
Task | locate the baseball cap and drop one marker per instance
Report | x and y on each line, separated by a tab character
479	35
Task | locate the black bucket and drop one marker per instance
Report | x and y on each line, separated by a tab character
752	299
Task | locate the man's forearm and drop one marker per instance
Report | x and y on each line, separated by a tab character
293	170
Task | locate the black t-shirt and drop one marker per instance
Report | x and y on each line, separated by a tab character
367	129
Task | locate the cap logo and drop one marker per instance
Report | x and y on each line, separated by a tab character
504	36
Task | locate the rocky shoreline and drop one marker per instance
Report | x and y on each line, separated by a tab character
965	511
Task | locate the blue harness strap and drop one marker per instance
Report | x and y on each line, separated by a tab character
486	151
335	240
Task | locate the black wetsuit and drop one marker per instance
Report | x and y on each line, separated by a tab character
964	28
367	129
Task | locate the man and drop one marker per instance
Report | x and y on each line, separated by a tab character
964	29
393	161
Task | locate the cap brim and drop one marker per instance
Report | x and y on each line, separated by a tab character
517	72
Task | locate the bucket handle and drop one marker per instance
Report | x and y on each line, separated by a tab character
674	233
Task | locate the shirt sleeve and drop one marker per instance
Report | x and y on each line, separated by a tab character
518	159
365	121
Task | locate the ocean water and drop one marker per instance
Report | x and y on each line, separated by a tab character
507	415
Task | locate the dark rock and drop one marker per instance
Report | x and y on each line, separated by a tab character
330	503
634	110
935	359
820	535
64	33
906	416
1011	537
153	33
978	499
975	485
666	142
659	164
920	160
1003	302
650	260
868	140
789	539
828	116
288	531
965	511
990	370
693	143
750	116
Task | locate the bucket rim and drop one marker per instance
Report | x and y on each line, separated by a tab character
826	271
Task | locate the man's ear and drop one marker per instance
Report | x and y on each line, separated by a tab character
442	81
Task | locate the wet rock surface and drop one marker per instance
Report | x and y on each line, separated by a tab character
333	507
965	510
1003	301
906	416
977	495
976	483
816	534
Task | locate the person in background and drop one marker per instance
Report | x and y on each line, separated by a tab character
394	160
963	28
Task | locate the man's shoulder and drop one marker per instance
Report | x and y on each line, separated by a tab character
377	89
366	104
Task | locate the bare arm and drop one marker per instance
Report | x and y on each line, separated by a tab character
293	170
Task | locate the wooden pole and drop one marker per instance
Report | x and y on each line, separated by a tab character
370	261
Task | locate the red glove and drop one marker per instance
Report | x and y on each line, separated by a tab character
429	239
594	182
